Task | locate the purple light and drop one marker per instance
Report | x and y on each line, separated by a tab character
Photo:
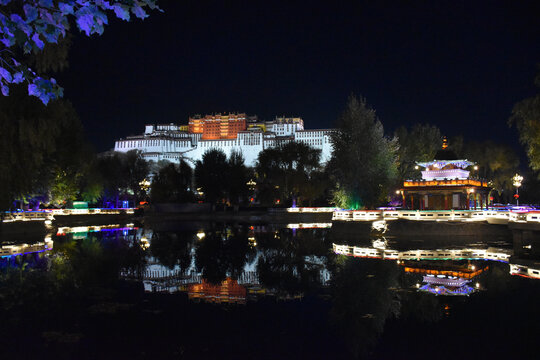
442	290
25	253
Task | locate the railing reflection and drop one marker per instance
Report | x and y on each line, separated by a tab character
529	269
21	249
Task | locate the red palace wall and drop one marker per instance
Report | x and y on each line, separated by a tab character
218	126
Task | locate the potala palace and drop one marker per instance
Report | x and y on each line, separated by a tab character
230	132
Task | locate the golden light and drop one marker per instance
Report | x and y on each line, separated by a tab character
145	185
144	243
475	167
201	235
516	180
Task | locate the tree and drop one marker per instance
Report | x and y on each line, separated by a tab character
285	172
209	175
420	143
28	26
41	146
363	162
121	174
526	117
172	183
495	162
237	178
135	170
91	184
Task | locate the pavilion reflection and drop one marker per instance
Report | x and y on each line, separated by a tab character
446	277
451	271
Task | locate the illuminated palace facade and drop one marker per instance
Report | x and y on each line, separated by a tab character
445	185
228	132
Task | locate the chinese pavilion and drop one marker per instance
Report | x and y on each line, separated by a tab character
445	185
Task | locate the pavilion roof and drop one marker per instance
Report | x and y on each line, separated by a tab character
442	163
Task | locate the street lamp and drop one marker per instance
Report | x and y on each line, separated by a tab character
516	181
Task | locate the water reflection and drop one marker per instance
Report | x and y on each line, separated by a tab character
448	258
359	288
263	260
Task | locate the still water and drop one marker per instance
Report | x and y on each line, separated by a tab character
264	291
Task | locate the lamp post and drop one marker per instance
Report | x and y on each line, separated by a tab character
516	181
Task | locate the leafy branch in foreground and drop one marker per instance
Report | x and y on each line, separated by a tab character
27	26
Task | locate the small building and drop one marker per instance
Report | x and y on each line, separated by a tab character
446	184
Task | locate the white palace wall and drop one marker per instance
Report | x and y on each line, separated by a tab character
166	142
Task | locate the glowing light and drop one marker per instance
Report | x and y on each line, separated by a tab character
516	180
144	185
416	167
144	243
379	226
201	235
398	192
252	241
477	285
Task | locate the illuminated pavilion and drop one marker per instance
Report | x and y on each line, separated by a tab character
445	185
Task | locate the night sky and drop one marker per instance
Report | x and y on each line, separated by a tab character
457	65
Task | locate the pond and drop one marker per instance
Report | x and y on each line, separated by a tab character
264	291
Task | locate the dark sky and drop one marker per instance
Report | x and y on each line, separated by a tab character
460	65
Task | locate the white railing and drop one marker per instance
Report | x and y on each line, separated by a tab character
311	209
533	216
91	211
28	216
525	271
93	228
342	215
309	225
492	216
445	254
367	215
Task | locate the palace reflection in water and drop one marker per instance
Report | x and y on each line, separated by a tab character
360	289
